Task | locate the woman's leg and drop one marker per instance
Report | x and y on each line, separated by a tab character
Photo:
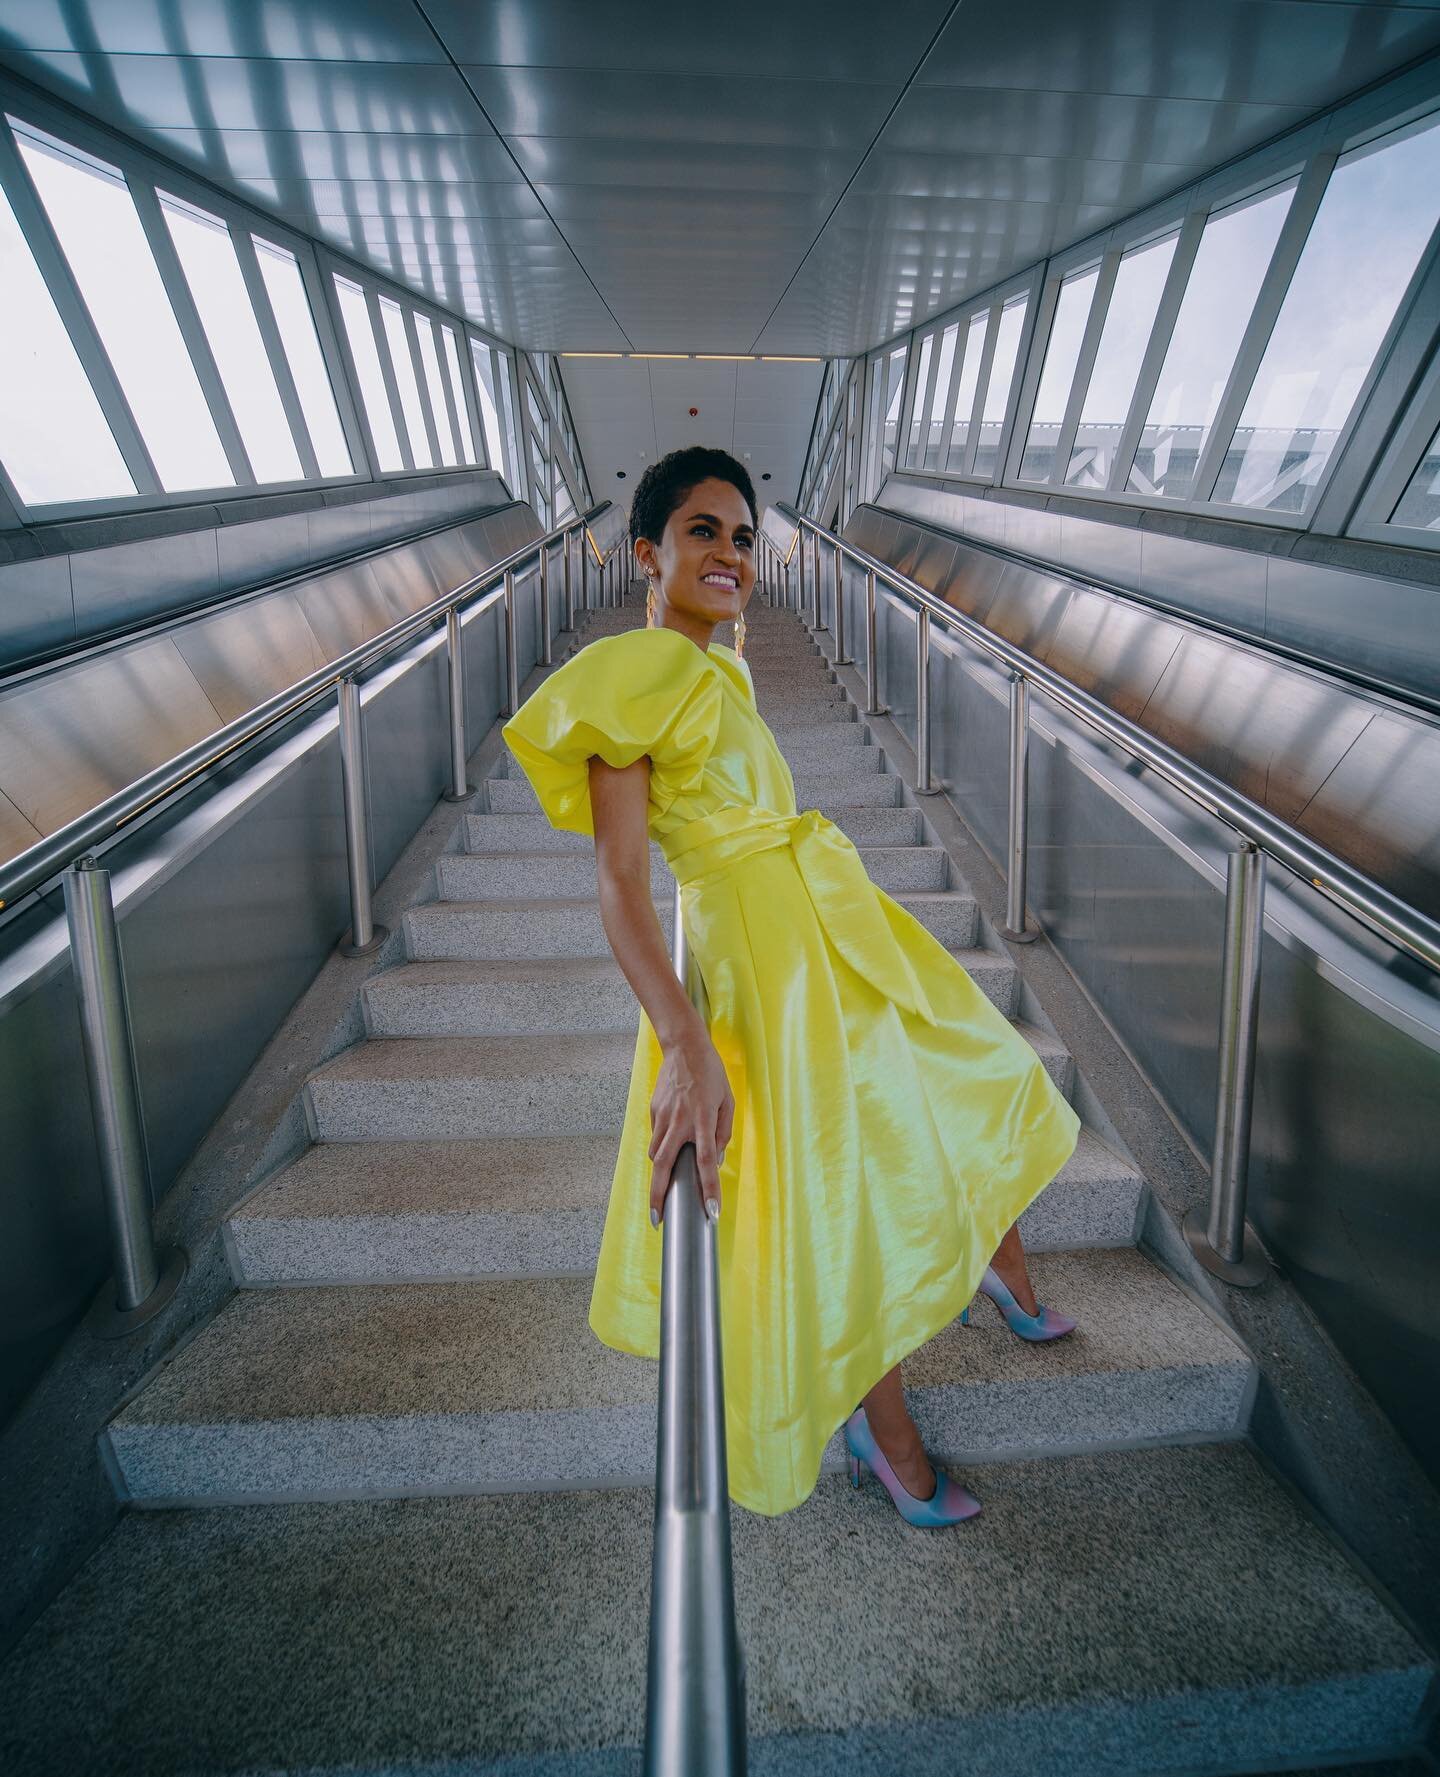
895	1433
1008	1264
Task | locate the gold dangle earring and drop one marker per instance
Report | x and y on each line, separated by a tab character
650	602
740	635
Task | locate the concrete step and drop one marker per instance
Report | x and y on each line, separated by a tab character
478	999
496	931
809	715
547	875
457	1088
949	915
994	975
812	757
487	834
371	1212
542	875
1059	1063
864	787
485	1386
1133	1613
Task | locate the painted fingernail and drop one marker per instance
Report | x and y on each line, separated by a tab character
712	1209
654	1218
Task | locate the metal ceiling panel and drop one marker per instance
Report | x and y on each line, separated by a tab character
631	107
297	30
827	38
342	154
728	168
1257	50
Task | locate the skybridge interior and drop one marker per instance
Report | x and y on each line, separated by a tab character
1086	363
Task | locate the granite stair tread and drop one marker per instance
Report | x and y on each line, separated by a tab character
487	833
514	1206
462	1633
478	1385
863	788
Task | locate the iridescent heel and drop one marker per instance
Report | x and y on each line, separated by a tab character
1046	1324
949	1504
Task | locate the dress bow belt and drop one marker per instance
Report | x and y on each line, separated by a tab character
850	908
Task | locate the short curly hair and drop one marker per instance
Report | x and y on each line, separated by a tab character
664	485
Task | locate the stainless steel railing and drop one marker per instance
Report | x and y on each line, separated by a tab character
144	1278
695	1697
1217	1234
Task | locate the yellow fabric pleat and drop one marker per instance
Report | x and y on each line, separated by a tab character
890	1124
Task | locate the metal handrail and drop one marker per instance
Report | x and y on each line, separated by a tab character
38	863
1358	894
145	1280
695	1694
1218	1233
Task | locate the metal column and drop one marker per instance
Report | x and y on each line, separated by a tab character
841	657
569	582
923	786
546	658
365	936
873	707
1018	857
142	1285
460	790
512	658
820	622
1219	1238
800	574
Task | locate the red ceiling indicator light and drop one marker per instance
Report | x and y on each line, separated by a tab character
694	413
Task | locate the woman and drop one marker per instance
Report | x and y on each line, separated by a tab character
867	1126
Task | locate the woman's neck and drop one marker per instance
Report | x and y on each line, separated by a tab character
697	629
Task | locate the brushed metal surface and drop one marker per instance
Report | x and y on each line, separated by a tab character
1027	607
130	582
1115	651
1274	733
37	611
1381	804
242	656
15	831
347	606
71	739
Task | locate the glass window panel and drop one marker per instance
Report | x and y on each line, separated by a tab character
54	437
1134	300
895	391
355	312
94	216
965	393
207	257
912	442
1234	255
457	390
429	358
1419	507
1375	219
1062	353
489	414
505	377
997	390
935	427
285	286
564	505
398	339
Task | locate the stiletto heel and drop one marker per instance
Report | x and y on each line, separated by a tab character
949	1504
1045	1323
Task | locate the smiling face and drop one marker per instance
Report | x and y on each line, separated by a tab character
703	567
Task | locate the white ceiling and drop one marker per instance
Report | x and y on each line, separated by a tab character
630	411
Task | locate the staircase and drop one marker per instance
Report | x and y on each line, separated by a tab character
417	1521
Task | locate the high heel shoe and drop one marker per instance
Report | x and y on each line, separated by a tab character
1045	1324
949	1504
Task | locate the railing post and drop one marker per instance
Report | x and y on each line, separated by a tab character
365	935
695	1697
1218	1237
873	707
584	568
545	654
820	623
787	586
923	785
1018	856
569	582
460	790
512	658
800	573
142	1285
841	657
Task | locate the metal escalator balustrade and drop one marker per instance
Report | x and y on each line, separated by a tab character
145	1279
1218	1236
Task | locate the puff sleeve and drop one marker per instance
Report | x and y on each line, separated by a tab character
648	691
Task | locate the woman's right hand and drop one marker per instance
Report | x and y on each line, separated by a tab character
692	1102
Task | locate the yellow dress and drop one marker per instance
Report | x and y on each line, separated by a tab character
889	1122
